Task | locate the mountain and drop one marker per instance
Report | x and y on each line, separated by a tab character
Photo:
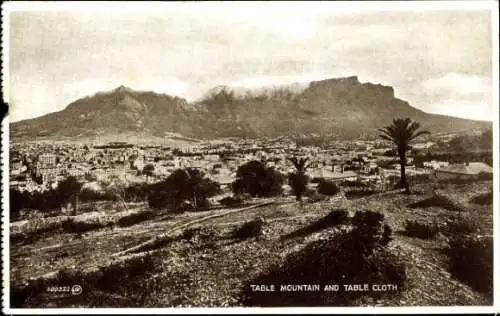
340	107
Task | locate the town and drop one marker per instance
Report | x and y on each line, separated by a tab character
41	166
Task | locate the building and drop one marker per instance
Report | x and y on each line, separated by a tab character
433	164
463	171
16	164
332	176
47	161
338	168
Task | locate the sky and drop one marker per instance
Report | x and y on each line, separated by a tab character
440	61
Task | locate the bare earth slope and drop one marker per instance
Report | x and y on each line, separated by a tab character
210	270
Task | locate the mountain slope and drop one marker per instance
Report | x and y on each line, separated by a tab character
343	107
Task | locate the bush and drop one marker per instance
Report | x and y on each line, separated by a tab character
439	200
249	229
483	199
358	193
337	217
200	233
334	218
420	230
340	259
354	184
135	218
328	188
369	233
460	226
315	197
418	179
316	180
76	226
35	229
470	259
231	201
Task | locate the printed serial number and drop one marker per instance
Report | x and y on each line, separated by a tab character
55	289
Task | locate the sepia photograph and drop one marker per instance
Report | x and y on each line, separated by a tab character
250	156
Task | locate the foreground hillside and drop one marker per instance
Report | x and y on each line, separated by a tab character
203	264
342	107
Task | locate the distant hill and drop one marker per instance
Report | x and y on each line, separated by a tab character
341	107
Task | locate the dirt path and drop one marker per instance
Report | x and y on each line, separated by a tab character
162	237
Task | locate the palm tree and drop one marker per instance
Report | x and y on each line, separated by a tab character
401	132
298	179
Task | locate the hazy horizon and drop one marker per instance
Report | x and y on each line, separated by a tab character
438	61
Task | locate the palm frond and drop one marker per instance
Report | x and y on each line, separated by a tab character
418	134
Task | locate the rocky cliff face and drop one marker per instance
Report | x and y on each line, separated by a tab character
341	107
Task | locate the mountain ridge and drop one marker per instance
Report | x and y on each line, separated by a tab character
339	107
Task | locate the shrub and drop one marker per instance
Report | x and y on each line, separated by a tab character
231	201
200	233
420	230
337	217
340	259
328	188
315	197
334	218
439	200
418	179
75	226
36	228
470	259
483	199
316	180
135	218
358	193
249	229
460	226
354	184
369	232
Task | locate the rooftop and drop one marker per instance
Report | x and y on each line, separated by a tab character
469	169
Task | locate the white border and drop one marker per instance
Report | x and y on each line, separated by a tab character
345	6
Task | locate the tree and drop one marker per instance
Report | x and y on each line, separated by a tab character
90	177
148	170
183	186
401	132
298	179
68	190
258	180
116	188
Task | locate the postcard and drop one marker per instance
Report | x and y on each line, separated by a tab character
249	157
